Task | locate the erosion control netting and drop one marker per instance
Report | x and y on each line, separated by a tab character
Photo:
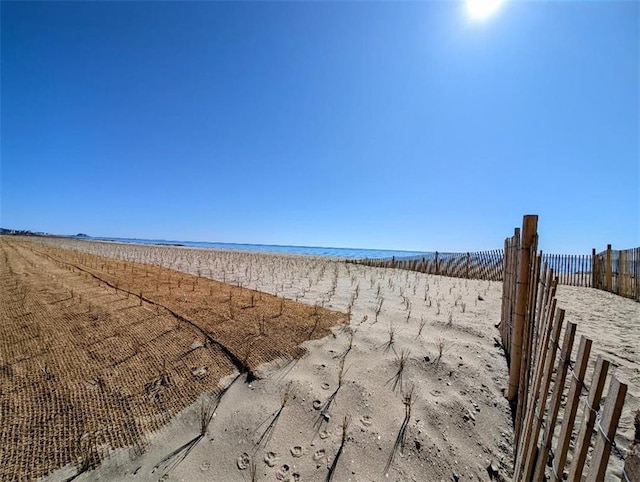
96	353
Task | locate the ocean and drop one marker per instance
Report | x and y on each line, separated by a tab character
346	253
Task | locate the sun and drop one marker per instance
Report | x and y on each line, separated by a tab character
482	9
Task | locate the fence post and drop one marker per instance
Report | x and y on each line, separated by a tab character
468	262
437	271
594	267
607	269
529	232
623	275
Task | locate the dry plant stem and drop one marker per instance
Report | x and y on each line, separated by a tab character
313	329
89	458
207	411
268	432
407	399
423	322
345	427
441	345
351	336
253	470
389	344
401	362
378	309
324	413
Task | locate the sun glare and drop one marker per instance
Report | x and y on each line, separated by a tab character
481	9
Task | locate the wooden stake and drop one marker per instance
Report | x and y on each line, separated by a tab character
584	436
577	382
529	228
466	275
527	365
607	270
606	430
542	294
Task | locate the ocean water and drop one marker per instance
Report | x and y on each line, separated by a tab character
346	253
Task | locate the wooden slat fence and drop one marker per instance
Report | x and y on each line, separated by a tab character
485	265
571	269
617	271
543	374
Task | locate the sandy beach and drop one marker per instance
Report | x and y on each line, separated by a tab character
410	389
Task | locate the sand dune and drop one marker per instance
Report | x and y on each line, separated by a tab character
439	330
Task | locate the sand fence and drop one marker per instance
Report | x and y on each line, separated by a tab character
615	271
546	382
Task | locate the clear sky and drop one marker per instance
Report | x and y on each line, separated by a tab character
401	125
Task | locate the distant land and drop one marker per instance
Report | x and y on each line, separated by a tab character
26	232
22	232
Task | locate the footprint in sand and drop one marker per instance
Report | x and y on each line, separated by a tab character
326	386
270	459
317	404
205	466
243	461
283	472
324	434
295	477
366	421
297	451
319	455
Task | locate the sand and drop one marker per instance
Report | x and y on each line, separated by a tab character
613	323
443	330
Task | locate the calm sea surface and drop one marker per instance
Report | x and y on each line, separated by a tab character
350	253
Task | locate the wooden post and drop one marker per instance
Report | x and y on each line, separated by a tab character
529	231
437	271
549	294
534	285
505	292
623	275
584	436
577	382
527	366
468	262
594	268
540	304
636	274
515	249
607	270
606	430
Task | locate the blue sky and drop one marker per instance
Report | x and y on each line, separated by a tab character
400	125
